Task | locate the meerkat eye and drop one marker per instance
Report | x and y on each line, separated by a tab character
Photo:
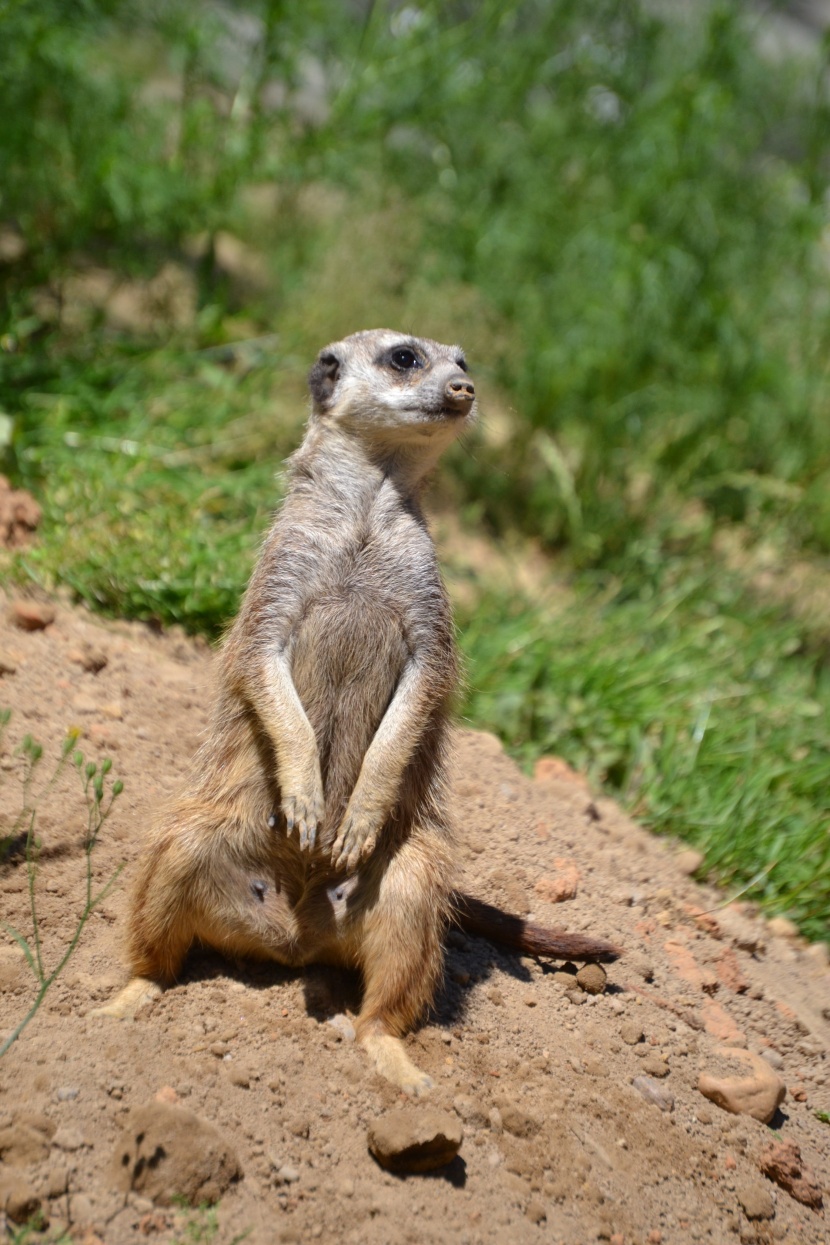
404	359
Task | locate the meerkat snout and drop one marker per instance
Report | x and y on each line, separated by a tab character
459	392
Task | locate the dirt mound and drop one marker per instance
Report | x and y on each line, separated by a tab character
581	1112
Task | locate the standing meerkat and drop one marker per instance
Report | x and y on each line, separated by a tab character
314	826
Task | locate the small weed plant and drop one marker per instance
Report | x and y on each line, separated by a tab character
100	793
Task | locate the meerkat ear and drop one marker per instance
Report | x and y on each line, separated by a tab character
323	377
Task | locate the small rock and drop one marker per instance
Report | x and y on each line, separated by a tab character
565	980
819	954
575	996
758	1094
240	1077
113	710
654	1092
80	1209
67	1093
57	1180
168	1152
7	665
516	1120
469	1110
219	1049
82	703
69	1138
773	1058
89	658
782	927
631	1032
32	615
563	885
689	861
20	1146
536	1212
781	1162
287	1175
495	996
655	1066
166	1094
415	1140
555	769
756	1200
592	978
17	1198
343	1025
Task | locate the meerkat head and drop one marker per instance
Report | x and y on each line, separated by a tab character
394	388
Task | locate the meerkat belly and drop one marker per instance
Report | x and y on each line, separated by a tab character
348	656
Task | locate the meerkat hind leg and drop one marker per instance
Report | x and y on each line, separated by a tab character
127	1002
393	1063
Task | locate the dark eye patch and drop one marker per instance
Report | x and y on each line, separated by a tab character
462	363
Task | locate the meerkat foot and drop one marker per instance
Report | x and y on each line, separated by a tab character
135	994
393	1063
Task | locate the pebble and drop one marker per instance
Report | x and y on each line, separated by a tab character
516	1120
414	1139
566	980
689	861
342	1025
57	1180
631	1032
654	1092
69	1138
773	1058
32	615
469	1110
67	1093
756	1199
655	1066
80	1210
759	1094
287	1175
89	658
536	1212
576	997
562	886
592	978
782	927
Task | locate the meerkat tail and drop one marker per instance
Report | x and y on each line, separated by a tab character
474	916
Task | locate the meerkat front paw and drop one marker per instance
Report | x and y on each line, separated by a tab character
302	806
356	838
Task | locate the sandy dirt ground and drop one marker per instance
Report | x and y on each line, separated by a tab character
582	1114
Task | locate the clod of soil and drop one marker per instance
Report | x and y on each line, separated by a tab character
19	515
33	615
168	1153
413	1140
592	979
782	1163
17	1197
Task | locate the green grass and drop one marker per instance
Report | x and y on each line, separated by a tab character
697	707
620	216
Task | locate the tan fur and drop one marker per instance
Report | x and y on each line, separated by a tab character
314	826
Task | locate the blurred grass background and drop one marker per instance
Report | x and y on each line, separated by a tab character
623	217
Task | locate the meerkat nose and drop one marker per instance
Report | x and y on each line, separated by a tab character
459	392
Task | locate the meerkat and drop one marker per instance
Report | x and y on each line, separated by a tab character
314	825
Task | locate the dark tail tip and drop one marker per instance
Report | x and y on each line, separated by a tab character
474	916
